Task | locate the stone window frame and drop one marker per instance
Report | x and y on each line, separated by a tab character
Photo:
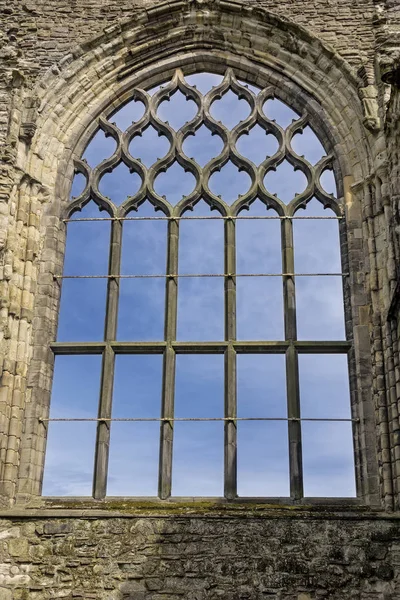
230	347
335	138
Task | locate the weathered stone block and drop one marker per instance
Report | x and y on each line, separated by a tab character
18	547
5	594
58	528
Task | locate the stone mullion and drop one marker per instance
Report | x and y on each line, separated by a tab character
168	387
230	433
107	376
292	367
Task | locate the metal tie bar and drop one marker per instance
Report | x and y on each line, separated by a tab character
162	419
173	275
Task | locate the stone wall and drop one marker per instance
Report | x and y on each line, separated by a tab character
36	35
248	556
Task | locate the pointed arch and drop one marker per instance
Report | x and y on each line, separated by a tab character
98	77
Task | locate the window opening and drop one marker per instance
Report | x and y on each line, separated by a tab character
83	301
100	148
306	144
324	392
259	300
257	145
195	285
177	110
142	300
278	111
69	466
327	181
285	182
174	184
198	455
320	308
203	82
203	146
201	298
149	146
131	112
134	446
230	183
120	184
229	109
263	449
78	185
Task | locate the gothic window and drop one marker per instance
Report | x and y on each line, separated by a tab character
201	347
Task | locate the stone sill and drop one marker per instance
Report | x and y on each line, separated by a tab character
243	508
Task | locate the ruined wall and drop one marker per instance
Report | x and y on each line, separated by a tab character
56	58
60	60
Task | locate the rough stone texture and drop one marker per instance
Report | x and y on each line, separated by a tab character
298	557
63	62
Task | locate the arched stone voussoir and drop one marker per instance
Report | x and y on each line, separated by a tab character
197	35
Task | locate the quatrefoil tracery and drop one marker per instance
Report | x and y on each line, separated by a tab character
202	175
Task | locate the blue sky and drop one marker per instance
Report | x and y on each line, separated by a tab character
198	446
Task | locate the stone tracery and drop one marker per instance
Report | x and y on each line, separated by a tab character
202	175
